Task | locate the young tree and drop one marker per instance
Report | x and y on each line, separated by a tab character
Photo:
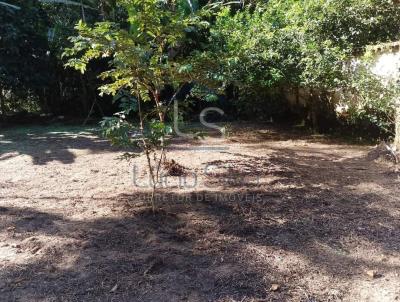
143	59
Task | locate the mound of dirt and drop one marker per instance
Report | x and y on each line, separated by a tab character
172	168
383	152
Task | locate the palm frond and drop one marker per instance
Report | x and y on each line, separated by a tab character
9	5
68	2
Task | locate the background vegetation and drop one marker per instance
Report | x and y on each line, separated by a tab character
248	57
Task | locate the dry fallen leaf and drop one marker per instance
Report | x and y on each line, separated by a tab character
275	287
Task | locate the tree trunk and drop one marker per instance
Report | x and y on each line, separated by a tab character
313	111
397	127
84	97
160	111
2	107
161	115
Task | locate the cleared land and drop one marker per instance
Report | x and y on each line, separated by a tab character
265	215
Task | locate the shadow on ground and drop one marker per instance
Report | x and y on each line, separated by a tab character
217	245
55	143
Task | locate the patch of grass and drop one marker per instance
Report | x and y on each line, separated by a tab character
48	129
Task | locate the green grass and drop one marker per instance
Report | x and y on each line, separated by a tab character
18	131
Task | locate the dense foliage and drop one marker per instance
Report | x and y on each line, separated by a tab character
23	57
268	49
257	56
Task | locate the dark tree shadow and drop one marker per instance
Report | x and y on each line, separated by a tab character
198	249
202	246
150	257
47	144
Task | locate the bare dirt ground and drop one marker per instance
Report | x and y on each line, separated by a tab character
262	216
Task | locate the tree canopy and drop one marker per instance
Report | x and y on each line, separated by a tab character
249	52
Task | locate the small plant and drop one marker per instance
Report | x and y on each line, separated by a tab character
227	130
147	135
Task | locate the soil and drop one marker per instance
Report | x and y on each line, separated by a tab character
264	215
